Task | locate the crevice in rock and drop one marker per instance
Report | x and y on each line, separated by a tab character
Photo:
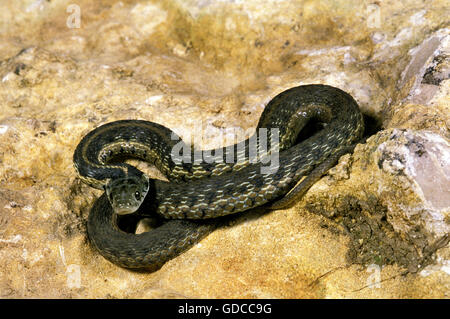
373	239
372	125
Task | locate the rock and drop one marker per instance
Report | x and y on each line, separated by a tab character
394	204
422	158
429	66
376	226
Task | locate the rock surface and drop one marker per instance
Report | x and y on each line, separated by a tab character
375	227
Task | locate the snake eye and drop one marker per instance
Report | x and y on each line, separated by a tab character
137	195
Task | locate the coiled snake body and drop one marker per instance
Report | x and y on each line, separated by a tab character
199	192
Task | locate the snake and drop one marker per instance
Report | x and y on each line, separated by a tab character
273	168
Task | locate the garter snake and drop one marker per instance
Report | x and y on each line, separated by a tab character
198	192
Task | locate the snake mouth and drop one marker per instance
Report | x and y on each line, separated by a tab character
125	209
123	205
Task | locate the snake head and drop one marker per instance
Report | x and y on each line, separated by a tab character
126	194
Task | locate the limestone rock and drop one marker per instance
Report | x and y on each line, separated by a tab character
376	226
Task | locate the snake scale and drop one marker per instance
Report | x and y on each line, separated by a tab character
198	193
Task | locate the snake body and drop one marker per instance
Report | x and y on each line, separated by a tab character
198	193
